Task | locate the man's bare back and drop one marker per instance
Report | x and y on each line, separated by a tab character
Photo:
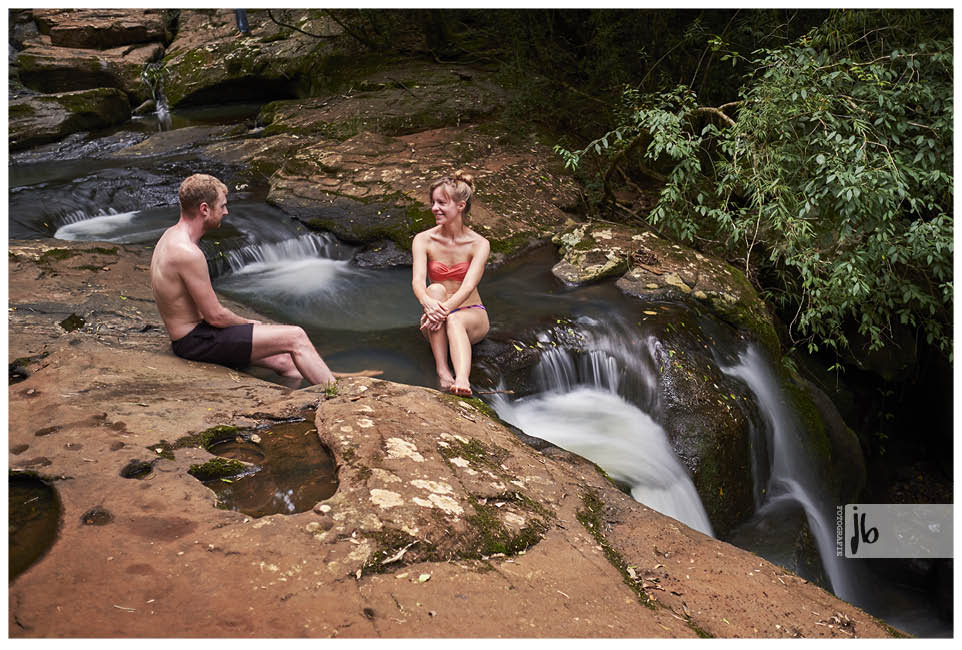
200	327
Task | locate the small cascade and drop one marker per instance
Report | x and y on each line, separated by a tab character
154	75
791	479
584	408
109	225
258	257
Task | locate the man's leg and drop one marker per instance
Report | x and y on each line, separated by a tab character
269	341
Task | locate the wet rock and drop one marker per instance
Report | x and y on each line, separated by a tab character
17	372
39	461
518	196
96	516
652	268
137	469
16	450
382	254
46	118
380	102
207	63
72	322
149	106
51	69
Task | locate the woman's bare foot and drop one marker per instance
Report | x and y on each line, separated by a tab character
461	388
445	379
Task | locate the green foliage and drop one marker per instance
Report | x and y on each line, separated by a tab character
836	175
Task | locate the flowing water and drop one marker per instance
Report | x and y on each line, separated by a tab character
602	401
579	406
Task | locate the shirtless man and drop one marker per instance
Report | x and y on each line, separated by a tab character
201	328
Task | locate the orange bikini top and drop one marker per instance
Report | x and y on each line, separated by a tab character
439	271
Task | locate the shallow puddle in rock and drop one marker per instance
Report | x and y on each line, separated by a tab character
295	471
33	521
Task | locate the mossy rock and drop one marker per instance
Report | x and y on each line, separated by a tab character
39	119
217	468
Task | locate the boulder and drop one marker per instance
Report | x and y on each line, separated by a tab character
707	415
50	69
653	268
38	119
394	99
101	29
211	62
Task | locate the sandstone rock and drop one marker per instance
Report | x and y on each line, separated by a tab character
39	119
394	100
101	28
52	69
594	251
428	486
209	61
517	200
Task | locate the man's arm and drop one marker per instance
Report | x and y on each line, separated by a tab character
193	271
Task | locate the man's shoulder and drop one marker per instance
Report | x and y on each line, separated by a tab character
177	247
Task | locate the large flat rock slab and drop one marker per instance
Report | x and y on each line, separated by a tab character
444	524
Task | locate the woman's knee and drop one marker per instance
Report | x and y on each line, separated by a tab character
436	291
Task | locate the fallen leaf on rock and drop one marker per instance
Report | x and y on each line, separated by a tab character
424	577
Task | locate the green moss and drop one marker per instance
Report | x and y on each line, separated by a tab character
166	449
103	251
474	451
20	111
90	267
592	518
494	538
364	473
389	542
48	256
510	244
203	440
23	362
216	468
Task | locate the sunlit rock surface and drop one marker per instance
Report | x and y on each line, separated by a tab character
440	509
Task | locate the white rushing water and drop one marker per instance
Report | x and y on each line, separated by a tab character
792	475
117	227
315	289
630	446
274	256
582	409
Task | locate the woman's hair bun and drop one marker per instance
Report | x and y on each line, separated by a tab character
465	177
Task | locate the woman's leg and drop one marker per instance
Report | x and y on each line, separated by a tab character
464	328
438	339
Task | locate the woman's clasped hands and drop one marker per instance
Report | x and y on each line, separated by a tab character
434	316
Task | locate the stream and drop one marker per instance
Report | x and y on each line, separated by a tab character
603	404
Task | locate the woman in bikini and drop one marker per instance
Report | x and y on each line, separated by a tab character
451	257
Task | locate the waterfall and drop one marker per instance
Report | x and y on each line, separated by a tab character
792	478
259	257
582	409
112	226
154	75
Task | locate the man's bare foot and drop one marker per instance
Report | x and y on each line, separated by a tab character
461	389
359	373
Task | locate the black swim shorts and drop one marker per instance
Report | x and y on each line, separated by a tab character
228	346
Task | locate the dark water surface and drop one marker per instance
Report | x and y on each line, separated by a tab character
33	521
291	471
